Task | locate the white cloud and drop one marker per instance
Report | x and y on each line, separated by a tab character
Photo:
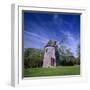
71	42
34	40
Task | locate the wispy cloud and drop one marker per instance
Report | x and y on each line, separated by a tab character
71	42
35	40
40	28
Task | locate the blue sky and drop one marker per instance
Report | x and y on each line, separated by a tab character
40	27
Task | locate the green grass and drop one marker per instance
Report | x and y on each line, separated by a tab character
58	71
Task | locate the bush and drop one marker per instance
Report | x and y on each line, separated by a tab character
67	61
78	61
33	58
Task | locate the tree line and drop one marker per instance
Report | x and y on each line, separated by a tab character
64	57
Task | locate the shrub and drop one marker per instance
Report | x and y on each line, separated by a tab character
33	57
67	61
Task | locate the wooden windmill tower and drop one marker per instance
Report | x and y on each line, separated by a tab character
49	55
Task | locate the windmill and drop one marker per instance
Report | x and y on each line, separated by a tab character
66	35
57	53
51	55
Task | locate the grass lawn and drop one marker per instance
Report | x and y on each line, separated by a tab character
58	71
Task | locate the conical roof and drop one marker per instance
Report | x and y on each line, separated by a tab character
51	43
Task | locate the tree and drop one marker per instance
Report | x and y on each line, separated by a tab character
57	56
78	50
66	56
78	54
68	52
33	57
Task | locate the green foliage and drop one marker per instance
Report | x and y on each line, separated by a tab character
57	57
66	56
77	61
78	50
67	61
78	53
33	57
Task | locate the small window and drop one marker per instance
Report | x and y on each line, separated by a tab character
46	50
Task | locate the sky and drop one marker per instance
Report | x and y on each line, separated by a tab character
40	27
